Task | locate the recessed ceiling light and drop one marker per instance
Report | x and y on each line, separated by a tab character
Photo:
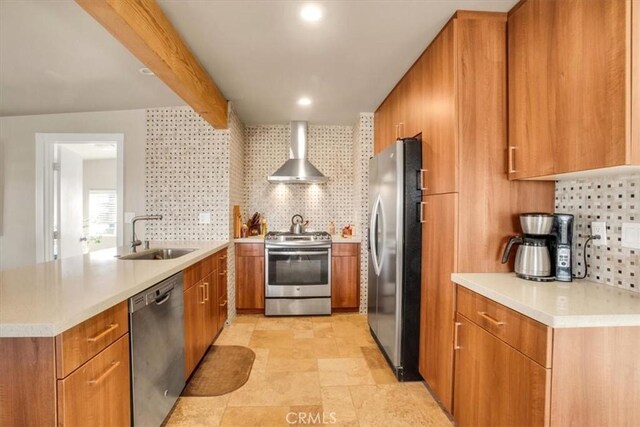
146	71
304	101
311	13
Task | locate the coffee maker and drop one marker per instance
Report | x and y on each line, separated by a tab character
544	251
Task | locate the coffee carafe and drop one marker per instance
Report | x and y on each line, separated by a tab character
533	257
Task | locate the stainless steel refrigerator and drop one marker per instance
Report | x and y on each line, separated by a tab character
394	255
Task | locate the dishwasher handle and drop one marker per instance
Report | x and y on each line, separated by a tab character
164	298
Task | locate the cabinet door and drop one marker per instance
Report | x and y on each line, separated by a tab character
211	306
384	125
345	283
531	109
399	99
249	283
439	237
222	297
496	385
98	393
439	128
194	326
413	106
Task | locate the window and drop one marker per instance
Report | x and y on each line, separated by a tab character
102	212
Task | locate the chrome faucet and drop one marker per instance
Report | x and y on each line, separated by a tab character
134	239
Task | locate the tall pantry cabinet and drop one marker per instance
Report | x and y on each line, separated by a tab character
469	206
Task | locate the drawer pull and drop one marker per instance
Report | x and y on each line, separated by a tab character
512	159
223	257
222	273
105	374
223	304
205	291
104	333
455	335
494	321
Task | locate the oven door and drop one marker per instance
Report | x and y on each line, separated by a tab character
298	272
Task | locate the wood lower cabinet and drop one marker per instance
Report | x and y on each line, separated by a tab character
496	385
194	326
202	311
345	277
511	370
99	392
249	277
439	252
573	86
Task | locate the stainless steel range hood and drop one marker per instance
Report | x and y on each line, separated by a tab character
298	170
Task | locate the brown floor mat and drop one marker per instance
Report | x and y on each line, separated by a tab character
223	369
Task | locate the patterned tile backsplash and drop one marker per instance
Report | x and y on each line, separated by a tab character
329	149
614	200
362	152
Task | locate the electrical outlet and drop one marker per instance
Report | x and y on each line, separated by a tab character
205	217
631	235
599	229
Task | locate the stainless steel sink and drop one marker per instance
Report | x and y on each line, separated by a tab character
158	254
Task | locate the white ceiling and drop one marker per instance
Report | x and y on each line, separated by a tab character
55	58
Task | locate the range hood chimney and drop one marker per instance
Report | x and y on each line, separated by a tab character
298	170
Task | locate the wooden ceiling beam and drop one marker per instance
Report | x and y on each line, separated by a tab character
142	27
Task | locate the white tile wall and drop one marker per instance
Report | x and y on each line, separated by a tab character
329	149
362	152
615	200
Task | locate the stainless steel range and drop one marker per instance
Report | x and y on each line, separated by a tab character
297	273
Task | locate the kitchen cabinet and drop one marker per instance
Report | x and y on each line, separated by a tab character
202	318
439	252
513	370
98	393
80	376
573	98
221	287
250	278
345	277
469	205
496	385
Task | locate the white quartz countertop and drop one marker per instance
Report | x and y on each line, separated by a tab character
334	239
576	304
46	299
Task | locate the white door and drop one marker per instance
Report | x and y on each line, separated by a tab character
69	201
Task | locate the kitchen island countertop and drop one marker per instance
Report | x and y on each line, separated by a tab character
576	304
46	299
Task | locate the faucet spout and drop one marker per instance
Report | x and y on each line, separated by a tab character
135	242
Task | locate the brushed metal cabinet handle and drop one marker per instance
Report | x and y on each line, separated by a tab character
206	291
491	319
455	335
512	159
110	328
105	374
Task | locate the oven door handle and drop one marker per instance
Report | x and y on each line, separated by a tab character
298	252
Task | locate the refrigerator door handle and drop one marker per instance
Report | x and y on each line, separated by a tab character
376	219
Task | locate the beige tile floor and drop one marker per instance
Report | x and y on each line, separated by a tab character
311	371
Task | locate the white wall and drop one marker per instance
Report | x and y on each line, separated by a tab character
98	175
17	134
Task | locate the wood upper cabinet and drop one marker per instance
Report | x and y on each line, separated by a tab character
439	258
571	86
345	276
496	385
439	119
250	277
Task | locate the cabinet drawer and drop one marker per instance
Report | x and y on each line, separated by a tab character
222	261
249	249
521	332
198	271
344	249
77	345
98	393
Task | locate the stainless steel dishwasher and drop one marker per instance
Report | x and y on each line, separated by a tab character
156	318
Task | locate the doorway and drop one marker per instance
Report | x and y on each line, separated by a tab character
79	194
